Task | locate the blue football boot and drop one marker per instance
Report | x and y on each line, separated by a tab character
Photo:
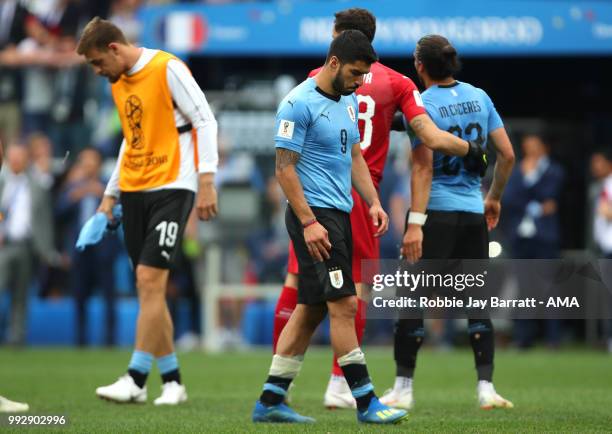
279	413
380	413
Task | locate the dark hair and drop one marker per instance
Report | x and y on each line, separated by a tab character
356	19
536	134
91	148
98	33
605	151
438	57
544	137
351	46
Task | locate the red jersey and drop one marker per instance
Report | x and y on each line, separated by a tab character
384	91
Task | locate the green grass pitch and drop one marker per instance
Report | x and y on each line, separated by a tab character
567	391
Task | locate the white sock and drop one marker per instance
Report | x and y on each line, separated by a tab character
402	383
484	385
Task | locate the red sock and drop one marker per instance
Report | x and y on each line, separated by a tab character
360	323
284	308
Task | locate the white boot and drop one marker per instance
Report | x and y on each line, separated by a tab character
8	406
172	394
123	390
338	394
488	398
401	394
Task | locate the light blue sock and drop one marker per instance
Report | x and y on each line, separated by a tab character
141	362
167	363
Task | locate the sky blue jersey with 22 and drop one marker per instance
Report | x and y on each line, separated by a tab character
467	112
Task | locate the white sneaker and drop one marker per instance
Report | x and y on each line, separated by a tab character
338	394
400	396
8	406
123	390
488	398
172	394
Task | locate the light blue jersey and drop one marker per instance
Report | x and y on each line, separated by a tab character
322	129
467	112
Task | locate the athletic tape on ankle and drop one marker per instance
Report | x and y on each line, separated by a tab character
286	367
356	356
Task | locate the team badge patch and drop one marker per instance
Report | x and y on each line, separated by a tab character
285	129
336	278
351	112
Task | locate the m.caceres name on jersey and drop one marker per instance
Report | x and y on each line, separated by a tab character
462	108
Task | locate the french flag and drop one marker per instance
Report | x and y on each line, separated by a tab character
183	31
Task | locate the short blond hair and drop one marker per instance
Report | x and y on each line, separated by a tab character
97	34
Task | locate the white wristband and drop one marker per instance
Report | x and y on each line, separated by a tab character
417	218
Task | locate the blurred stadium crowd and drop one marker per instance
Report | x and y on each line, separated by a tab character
61	133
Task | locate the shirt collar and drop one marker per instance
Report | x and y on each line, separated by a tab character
145	57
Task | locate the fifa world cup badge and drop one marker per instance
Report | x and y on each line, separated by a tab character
336	278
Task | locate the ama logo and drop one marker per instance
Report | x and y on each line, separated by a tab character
183	31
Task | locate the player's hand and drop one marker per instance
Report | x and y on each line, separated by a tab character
380	219
475	160
412	243
317	241
492	209
106	206
206	201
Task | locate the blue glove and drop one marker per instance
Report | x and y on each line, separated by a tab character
96	227
476	159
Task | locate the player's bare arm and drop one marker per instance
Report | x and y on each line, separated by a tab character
436	139
191	101
106	205
362	181
501	173
290	183
420	185
206	201
112	187
315	234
